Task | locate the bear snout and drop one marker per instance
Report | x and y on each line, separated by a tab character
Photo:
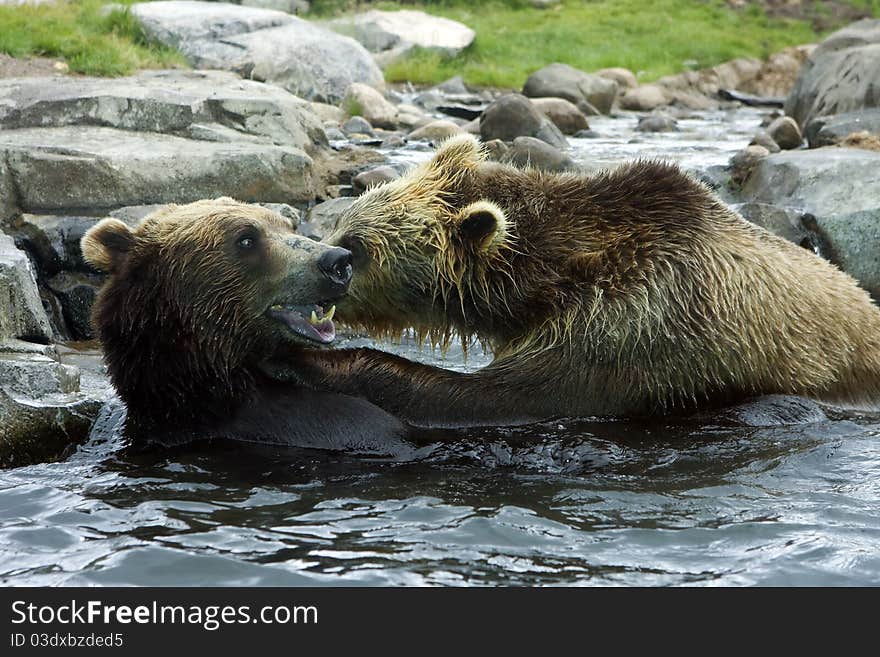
335	264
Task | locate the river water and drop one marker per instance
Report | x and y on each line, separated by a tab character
579	502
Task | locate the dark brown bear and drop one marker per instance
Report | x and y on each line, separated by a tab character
631	292
198	295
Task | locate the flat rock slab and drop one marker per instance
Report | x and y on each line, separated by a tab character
262	44
84	167
212	105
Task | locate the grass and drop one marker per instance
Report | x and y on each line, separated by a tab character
652	38
89	40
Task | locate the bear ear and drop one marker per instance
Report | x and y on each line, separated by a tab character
458	152
482	225
105	245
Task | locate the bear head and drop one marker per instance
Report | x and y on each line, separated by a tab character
198	295
434	250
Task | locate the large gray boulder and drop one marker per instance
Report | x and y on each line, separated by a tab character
840	189
93	144
513	115
841	75
564	81
390	34
22	316
261	44
88	168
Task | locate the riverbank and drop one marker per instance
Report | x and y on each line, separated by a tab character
514	38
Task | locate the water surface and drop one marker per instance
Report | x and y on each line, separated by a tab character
580	502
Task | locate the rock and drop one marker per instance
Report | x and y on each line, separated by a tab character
8	197
657	123
770	117
335	134
393	141
586	134
436	131
270	46
828	130
785	132
78	167
169	102
840	189
624	78
76	293
363	100
496	149
512	116
761	138
52	240
473	127
321	219
93	143
358	125
36	376
391	34
366	179
346	163
410	116
564	81
699	89
841	75
787	223
327	113
564	115
745	160
37	432
777	76
22	316
534	153
41	411
644	99
454	86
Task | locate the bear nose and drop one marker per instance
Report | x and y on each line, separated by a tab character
335	264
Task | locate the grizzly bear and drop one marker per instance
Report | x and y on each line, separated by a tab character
633	291
197	296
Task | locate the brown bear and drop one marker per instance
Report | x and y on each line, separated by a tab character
197	296
634	291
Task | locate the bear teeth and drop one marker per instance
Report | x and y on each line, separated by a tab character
314	320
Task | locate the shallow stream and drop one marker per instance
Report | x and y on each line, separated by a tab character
583	502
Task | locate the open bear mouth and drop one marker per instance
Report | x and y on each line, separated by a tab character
308	321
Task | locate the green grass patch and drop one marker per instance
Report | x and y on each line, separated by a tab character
652	39
91	41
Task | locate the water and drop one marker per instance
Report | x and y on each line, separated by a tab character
582	502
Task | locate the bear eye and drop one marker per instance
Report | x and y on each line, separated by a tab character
247	241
